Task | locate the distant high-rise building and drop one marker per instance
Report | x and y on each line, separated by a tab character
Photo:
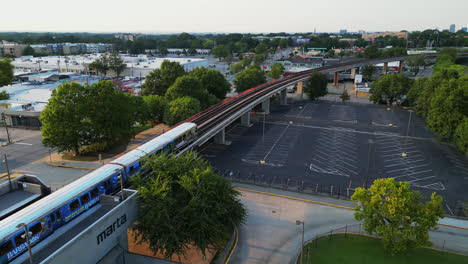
464	29
452	28
343	31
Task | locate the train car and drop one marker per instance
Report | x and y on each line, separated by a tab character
55	210
45	216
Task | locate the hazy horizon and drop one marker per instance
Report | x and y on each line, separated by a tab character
242	16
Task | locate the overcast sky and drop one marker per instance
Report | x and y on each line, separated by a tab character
148	16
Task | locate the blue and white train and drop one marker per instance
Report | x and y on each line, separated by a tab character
57	209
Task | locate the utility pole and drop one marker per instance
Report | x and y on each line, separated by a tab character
6	128
298	222
8	173
27	234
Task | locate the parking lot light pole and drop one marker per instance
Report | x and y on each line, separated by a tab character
298	222
27	234
8	173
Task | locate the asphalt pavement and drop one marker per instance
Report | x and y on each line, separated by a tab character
271	235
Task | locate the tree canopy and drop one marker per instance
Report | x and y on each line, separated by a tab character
392	210
368	71
159	80
249	78
277	70
116	64
180	109
78	115
156	107
213	81
390	88
101	65
184	202
6	71
316	86
187	86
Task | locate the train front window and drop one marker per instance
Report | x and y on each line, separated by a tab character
6	247
74	205
85	198
20	239
35	229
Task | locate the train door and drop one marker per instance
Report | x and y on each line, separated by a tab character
56	219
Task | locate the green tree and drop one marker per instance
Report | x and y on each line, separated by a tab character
184	202
208	44
448	106
344	96
372	52
330	53
261	48
116	64
156	105
249	78
181	109
188	85
63	119
28	51
6	71
101	65
461	135
368	71
390	88
416	61
316	86
221	51
392	210
417	90
139	109
277	70
159	80
212	80
4	95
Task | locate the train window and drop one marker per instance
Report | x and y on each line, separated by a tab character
52	217
94	193
6	247
85	198
58	215
74	205
20	239
131	170
106	184
35	229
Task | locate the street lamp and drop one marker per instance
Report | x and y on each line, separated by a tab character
298	222
27	234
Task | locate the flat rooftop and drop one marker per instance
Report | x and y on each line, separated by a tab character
14	200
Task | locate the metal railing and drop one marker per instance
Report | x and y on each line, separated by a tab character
319	240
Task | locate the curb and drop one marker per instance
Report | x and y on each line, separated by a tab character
70	166
234	246
295	198
322	203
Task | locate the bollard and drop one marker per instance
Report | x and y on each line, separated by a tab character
302	188
331	190
316	188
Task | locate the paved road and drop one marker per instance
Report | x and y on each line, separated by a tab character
22	153
271	235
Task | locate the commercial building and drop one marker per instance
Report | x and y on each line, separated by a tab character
28	99
464	29
300	63
137	66
185	51
452	28
72	48
11	49
372	36
343	31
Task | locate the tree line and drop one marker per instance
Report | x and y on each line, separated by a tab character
441	98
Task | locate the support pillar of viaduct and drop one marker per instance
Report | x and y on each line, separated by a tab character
300	89
336	79
283	97
400	66
220	138
385	67
245	119
266	106
353	73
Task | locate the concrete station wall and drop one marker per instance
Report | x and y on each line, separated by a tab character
100	238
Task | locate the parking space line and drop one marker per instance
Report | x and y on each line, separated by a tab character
399	154
405	163
400	158
398	149
414	173
409	168
420	179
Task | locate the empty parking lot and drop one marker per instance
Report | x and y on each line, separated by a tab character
311	145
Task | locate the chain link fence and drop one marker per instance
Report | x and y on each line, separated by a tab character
318	240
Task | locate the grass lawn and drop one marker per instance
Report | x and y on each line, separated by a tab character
356	249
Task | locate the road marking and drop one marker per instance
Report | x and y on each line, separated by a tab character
22	143
405	163
399	153
401	158
409	168
421	179
408	175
